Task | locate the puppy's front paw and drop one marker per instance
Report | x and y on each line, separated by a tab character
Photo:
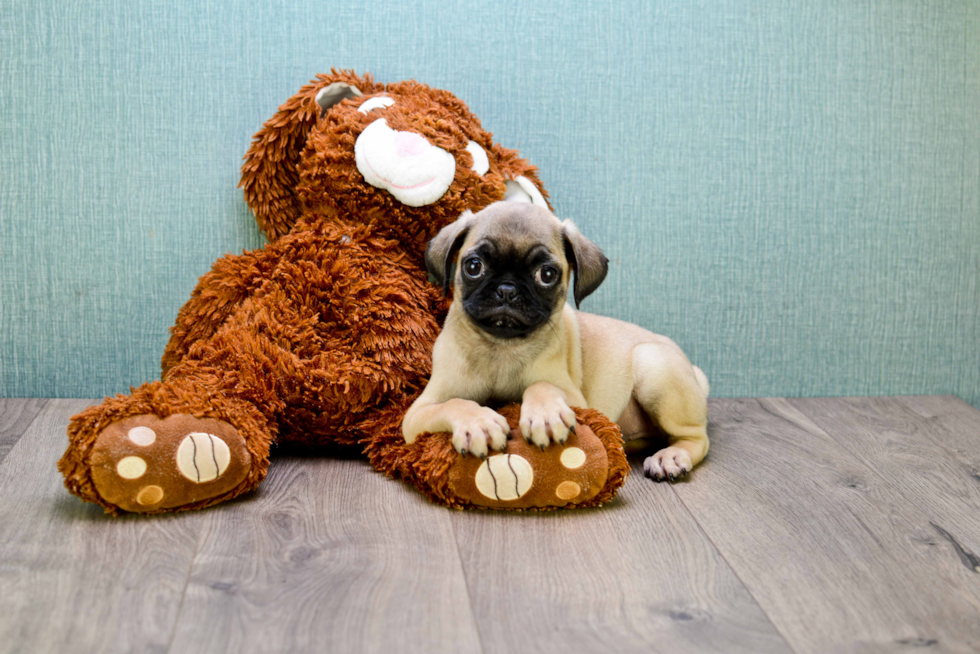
546	419
478	429
669	463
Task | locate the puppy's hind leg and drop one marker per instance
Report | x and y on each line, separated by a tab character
674	394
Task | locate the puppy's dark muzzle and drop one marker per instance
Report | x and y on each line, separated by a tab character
505	322
505	308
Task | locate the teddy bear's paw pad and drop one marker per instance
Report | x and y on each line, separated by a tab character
203	457
504	477
145	463
525	476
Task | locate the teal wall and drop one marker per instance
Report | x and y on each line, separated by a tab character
791	190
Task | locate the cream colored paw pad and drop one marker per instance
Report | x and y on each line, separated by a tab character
202	457
504	477
573	457
131	467
150	495
142	436
568	490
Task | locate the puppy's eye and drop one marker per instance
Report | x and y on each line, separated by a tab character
546	276
473	268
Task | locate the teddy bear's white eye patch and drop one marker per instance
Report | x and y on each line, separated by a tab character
481	164
375	103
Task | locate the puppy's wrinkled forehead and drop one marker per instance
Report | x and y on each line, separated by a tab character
519	226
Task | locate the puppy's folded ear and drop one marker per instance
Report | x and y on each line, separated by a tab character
587	261
440	254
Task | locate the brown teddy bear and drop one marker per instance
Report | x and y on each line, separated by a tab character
324	336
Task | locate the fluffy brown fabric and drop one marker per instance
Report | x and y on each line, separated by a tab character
324	336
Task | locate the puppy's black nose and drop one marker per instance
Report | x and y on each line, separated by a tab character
506	292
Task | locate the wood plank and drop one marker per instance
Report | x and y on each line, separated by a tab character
637	575
954	425
931	458
73	578
329	556
16	415
853	523
838	558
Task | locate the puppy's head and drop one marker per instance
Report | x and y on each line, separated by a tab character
510	266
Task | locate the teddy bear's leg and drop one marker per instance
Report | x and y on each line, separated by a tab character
167	446
587	470
219	293
200	436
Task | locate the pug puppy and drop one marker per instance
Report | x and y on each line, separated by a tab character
511	336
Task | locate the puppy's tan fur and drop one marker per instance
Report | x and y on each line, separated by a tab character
639	379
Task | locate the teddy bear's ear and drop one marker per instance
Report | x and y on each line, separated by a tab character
523	184
331	94
269	175
523	189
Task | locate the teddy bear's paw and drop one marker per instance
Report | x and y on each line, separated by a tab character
144	463
525	476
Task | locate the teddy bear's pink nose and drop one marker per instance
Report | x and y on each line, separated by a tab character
409	144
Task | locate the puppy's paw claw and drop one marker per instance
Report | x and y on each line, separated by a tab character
480	431
670	463
547	422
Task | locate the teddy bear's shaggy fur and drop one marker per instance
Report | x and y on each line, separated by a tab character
323	337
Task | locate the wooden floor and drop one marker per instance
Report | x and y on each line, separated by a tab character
817	525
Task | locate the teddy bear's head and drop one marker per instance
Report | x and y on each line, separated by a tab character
404	157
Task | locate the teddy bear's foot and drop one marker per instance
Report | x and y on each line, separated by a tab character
145	464
524	476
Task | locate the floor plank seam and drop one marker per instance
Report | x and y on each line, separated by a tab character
37	416
466	580
724	558
183	594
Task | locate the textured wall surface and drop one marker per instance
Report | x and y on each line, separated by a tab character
790	190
